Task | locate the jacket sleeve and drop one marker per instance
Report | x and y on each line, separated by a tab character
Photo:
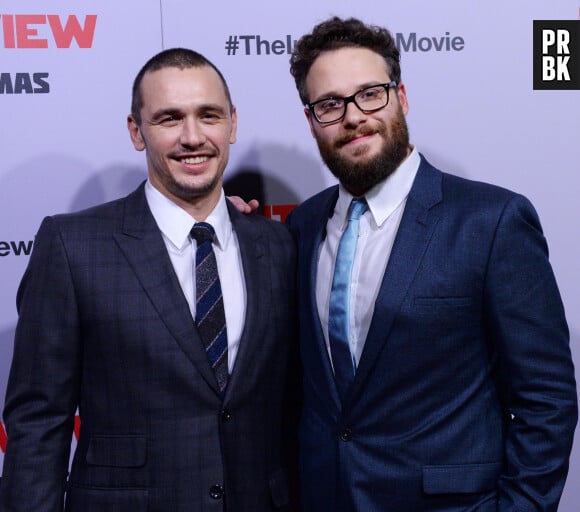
42	391
527	326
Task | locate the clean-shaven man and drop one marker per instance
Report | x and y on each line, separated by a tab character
166	318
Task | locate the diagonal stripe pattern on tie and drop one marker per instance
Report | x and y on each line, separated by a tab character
339	310
209	305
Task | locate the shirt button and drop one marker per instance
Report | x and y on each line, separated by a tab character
216	492
226	414
346	434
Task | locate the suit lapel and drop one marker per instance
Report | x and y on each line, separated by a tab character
255	263
412	239
311	251
143	246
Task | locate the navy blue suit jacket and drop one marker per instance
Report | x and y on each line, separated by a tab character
464	397
103	325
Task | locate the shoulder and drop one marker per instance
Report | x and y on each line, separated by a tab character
481	205
99	219
316	202
430	175
313	209
475	189
476	197
256	225
466	194
272	228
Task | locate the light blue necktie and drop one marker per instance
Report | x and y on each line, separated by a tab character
338	318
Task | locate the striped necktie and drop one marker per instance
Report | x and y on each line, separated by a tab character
209	308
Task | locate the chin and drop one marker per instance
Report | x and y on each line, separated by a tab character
362	153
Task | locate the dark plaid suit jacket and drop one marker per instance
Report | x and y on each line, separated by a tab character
104	326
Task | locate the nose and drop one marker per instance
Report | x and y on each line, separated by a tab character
192	134
353	115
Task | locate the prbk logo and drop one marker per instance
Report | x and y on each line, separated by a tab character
557	54
39	31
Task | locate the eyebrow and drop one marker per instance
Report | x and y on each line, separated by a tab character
165	112
214	107
336	95
206	107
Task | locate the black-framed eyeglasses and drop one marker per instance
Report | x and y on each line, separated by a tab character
370	99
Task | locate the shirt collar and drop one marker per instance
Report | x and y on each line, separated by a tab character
385	197
175	223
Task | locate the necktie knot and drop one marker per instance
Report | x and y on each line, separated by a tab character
357	208
202	232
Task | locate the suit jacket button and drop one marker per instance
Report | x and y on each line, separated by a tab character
346	434
216	492
226	414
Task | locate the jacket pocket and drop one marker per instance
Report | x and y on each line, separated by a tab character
117	451
461	478
442	302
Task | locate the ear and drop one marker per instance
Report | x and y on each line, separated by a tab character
308	115
234	125
402	95
135	133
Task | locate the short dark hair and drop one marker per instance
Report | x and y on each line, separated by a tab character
336	33
181	58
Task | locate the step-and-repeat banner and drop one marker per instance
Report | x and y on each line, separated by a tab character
66	70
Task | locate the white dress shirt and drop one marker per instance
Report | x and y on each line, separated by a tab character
377	230
175	225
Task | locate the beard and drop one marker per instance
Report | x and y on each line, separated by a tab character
189	192
358	177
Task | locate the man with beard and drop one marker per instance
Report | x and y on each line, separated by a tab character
167	318
435	351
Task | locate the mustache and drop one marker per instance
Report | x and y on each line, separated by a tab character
362	132
186	152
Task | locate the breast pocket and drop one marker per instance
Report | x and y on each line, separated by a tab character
434	312
441	303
